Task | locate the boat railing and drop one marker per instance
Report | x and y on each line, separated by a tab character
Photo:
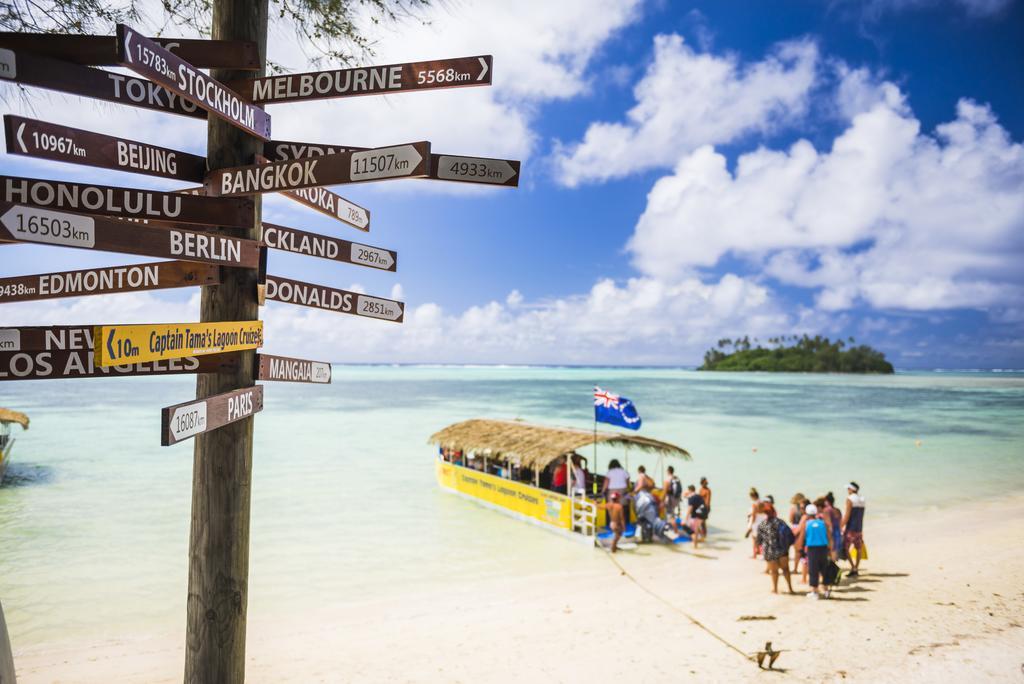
584	514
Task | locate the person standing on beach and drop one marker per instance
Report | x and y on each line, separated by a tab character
836	518
853	526
815	534
696	509
754	518
616	518
772	537
673	489
705	493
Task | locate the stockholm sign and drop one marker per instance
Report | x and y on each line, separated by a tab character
149	60
381	163
19	223
157	342
186	420
375	80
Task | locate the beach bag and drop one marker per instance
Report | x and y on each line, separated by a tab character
786	538
854	553
675	488
831	574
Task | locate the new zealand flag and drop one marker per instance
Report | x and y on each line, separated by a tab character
611	408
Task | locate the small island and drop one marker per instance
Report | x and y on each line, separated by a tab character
803	355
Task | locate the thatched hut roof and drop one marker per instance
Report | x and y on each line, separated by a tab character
9	416
537	445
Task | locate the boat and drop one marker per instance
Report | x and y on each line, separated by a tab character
7	419
506	465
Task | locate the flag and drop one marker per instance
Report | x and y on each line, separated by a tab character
611	408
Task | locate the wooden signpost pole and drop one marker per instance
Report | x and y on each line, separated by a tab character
218	576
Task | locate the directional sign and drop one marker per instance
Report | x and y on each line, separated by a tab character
138	343
332	204
377	80
286	369
446	167
311	244
328	298
147	59
19	223
102	50
57	364
65	77
161	275
381	163
83	198
183	421
61	143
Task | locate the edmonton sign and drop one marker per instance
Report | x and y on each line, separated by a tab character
375	80
161	275
183	421
116	344
149	60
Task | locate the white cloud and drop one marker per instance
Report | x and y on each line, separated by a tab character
890	215
689	98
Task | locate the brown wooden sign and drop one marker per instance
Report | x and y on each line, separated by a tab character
331	299
19	223
381	163
184	421
45	140
287	369
53	74
65	365
46	338
311	244
161	275
102	50
103	200
446	167
333	205
377	80
149	60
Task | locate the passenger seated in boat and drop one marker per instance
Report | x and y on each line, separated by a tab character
647	516
558	476
616	481
579	475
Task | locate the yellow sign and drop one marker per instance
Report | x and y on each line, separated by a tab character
517	498
115	345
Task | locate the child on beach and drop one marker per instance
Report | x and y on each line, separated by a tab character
616	518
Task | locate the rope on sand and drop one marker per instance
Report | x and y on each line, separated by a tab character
668	603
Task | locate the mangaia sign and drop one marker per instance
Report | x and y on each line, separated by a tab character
85	198
118	344
149	60
377	80
160	275
19	223
287	369
44	140
183	421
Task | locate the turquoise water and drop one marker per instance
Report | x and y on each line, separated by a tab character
94	516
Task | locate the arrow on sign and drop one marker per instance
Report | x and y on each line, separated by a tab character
483	69
110	343
21	141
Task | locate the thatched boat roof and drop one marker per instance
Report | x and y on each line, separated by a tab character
9	416
538	445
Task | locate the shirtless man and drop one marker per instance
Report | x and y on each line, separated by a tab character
616	518
705	493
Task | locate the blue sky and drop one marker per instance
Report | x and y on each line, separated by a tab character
691	171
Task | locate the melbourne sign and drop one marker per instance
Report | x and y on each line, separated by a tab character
137	343
376	80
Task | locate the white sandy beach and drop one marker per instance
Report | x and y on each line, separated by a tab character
939	600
